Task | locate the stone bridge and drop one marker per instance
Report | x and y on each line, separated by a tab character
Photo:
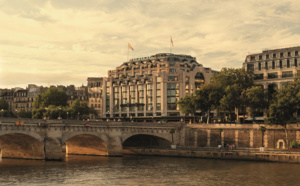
52	139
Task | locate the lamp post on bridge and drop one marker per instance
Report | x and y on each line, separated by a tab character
59	113
17	113
78	115
67	115
2	113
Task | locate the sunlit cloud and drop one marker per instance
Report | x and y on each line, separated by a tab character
64	42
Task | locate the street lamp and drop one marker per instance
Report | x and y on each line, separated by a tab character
59	113
17	113
2	113
78	115
67	115
46	113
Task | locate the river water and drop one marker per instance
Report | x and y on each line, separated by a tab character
145	170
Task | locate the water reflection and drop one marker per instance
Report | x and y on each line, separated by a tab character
140	170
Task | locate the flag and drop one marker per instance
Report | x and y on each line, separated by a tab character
172	41
130	47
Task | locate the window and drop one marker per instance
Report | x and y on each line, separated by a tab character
272	75
288	63
273	65
250	67
281	54
266	65
172	70
172	78
259	66
296	64
172	96
260	57
274	55
258	76
172	64
296	53
252	58
289	54
280	64
287	74
267	56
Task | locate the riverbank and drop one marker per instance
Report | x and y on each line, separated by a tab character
283	157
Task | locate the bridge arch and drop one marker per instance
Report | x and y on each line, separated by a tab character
146	140
25	145
89	143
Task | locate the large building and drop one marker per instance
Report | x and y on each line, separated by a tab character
149	86
273	68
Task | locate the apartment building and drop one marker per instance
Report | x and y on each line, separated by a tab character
274	68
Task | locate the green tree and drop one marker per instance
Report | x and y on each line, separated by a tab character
79	109
256	99
25	114
38	113
53	96
284	104
230	100
188	105
3	104
232	84
207	98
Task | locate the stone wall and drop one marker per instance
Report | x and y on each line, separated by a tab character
243	136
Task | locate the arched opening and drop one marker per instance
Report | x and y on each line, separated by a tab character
85	144
17	145
146	141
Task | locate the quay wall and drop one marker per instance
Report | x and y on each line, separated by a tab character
283	157
240	135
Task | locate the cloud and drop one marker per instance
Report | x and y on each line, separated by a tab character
60	38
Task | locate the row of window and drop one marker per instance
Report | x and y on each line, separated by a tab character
273	65
275	55
274	75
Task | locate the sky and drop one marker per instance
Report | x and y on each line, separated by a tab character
62	42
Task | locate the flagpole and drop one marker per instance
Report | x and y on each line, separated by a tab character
128	53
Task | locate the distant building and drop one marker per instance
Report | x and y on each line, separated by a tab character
274	68
149	86
95	91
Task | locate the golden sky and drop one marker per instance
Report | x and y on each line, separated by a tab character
62	42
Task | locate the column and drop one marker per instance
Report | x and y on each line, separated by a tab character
236	138
208	137
251	138
196	139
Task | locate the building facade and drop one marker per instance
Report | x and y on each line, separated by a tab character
274	68
95	93
151	86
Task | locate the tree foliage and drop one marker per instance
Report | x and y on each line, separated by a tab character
188	105
3	104
226	91
207	98
284	104
256	99
53	96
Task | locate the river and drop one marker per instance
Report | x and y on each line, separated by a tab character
145	170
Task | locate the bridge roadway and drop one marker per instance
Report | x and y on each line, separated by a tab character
52	139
